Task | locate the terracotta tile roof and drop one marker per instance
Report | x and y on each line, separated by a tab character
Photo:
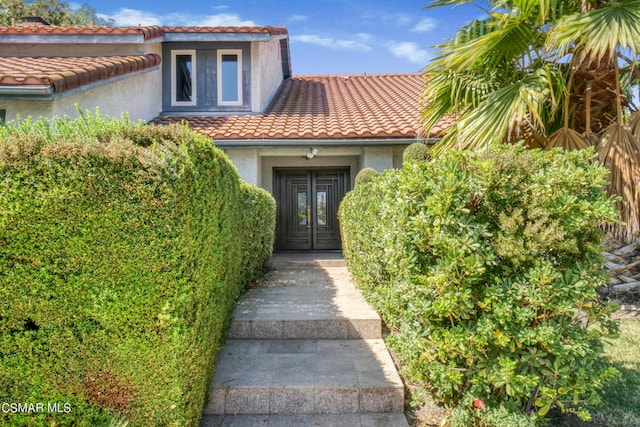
150	32
271	30
328	107
65	73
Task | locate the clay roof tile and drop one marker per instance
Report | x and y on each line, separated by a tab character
65	73
332	107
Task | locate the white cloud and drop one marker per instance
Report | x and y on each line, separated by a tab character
298	18
364	37
425	25
332	43
220	20
410	51
132	17
401	19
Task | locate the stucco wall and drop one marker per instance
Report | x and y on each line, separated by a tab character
266	74
378	158
247	162
255	165
139	95
397	155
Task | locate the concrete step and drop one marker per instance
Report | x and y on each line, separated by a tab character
308	301
286	377
313	420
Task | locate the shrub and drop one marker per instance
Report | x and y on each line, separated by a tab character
485	265
258	210
366	175
121	251
416	152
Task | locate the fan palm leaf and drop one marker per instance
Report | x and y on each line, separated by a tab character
620	152
598	33
634	125
568	139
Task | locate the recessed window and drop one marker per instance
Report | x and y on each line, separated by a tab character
183	77
3	116
230	77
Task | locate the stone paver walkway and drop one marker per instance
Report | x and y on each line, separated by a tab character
305	349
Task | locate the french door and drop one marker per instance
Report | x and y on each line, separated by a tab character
308	201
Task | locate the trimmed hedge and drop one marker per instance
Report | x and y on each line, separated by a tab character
485	267
416	152
366	175
258	210
123	249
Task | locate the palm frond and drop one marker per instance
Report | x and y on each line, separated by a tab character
600	32
505	111
511	43
448	93
634	125
620	152
568	139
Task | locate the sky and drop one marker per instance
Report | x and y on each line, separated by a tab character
327	37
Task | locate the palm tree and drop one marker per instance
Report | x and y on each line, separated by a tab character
554	73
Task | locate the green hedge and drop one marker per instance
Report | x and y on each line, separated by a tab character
484	266
122	252
258	210
416	152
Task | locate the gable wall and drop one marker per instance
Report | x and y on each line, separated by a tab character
139	95
266	73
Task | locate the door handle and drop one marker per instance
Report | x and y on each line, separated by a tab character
308	216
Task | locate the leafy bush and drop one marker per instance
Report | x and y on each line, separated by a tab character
258	210
121	251
365	175
485	265
416	152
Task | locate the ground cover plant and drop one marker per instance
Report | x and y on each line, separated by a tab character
621	398
123	249
485	267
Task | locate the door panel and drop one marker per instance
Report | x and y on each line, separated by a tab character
308	203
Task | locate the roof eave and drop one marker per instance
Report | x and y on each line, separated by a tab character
76	38
317	142
26	91
217	37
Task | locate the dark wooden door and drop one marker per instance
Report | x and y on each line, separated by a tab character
308	201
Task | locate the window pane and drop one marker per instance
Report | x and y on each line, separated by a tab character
302	208
229	78
321	207
184	71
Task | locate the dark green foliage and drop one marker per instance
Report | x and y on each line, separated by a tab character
485	265
53	12
121	254
416	152
258	210
366	175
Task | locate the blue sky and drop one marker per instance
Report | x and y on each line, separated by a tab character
327	37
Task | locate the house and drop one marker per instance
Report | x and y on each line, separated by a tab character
303	138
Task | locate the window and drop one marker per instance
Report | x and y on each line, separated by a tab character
183	77
3	116
230	77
